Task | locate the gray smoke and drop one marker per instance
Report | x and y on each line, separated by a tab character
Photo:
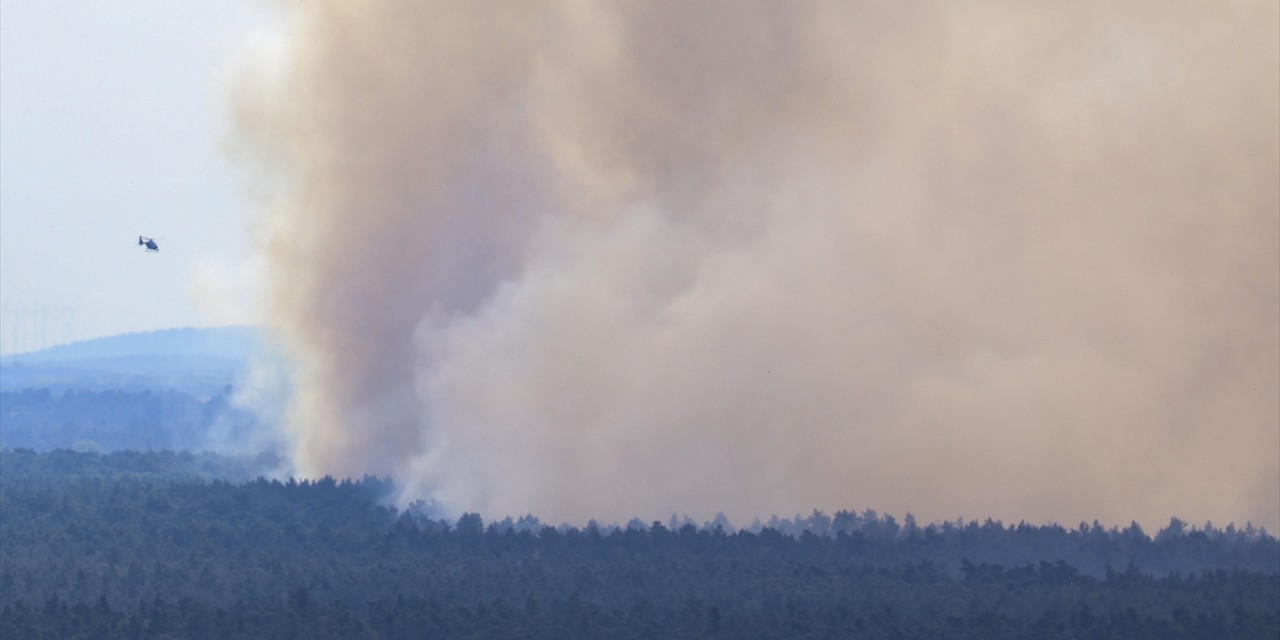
600	260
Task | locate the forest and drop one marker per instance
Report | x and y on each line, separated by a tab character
119	419
178	545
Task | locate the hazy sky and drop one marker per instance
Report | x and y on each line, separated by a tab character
112	119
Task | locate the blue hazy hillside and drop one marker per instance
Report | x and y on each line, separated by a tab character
170	389
188	359
233	343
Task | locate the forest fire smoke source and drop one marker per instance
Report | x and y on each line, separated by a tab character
581	259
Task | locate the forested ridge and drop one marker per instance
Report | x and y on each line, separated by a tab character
159	545
116	420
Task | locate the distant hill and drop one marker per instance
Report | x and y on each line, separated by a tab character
193	360
233	343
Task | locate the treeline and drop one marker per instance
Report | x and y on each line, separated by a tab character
60	465
134	553
299	615
113	420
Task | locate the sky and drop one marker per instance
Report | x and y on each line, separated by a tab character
113	124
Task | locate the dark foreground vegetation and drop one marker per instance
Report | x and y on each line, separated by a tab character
133	545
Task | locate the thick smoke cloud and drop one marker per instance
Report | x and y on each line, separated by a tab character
615	259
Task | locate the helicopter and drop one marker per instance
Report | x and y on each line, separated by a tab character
149	243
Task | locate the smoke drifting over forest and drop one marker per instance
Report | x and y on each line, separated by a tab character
615	259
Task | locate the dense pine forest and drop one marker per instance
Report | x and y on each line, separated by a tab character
180	545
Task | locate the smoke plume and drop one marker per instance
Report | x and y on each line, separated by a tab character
610	259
